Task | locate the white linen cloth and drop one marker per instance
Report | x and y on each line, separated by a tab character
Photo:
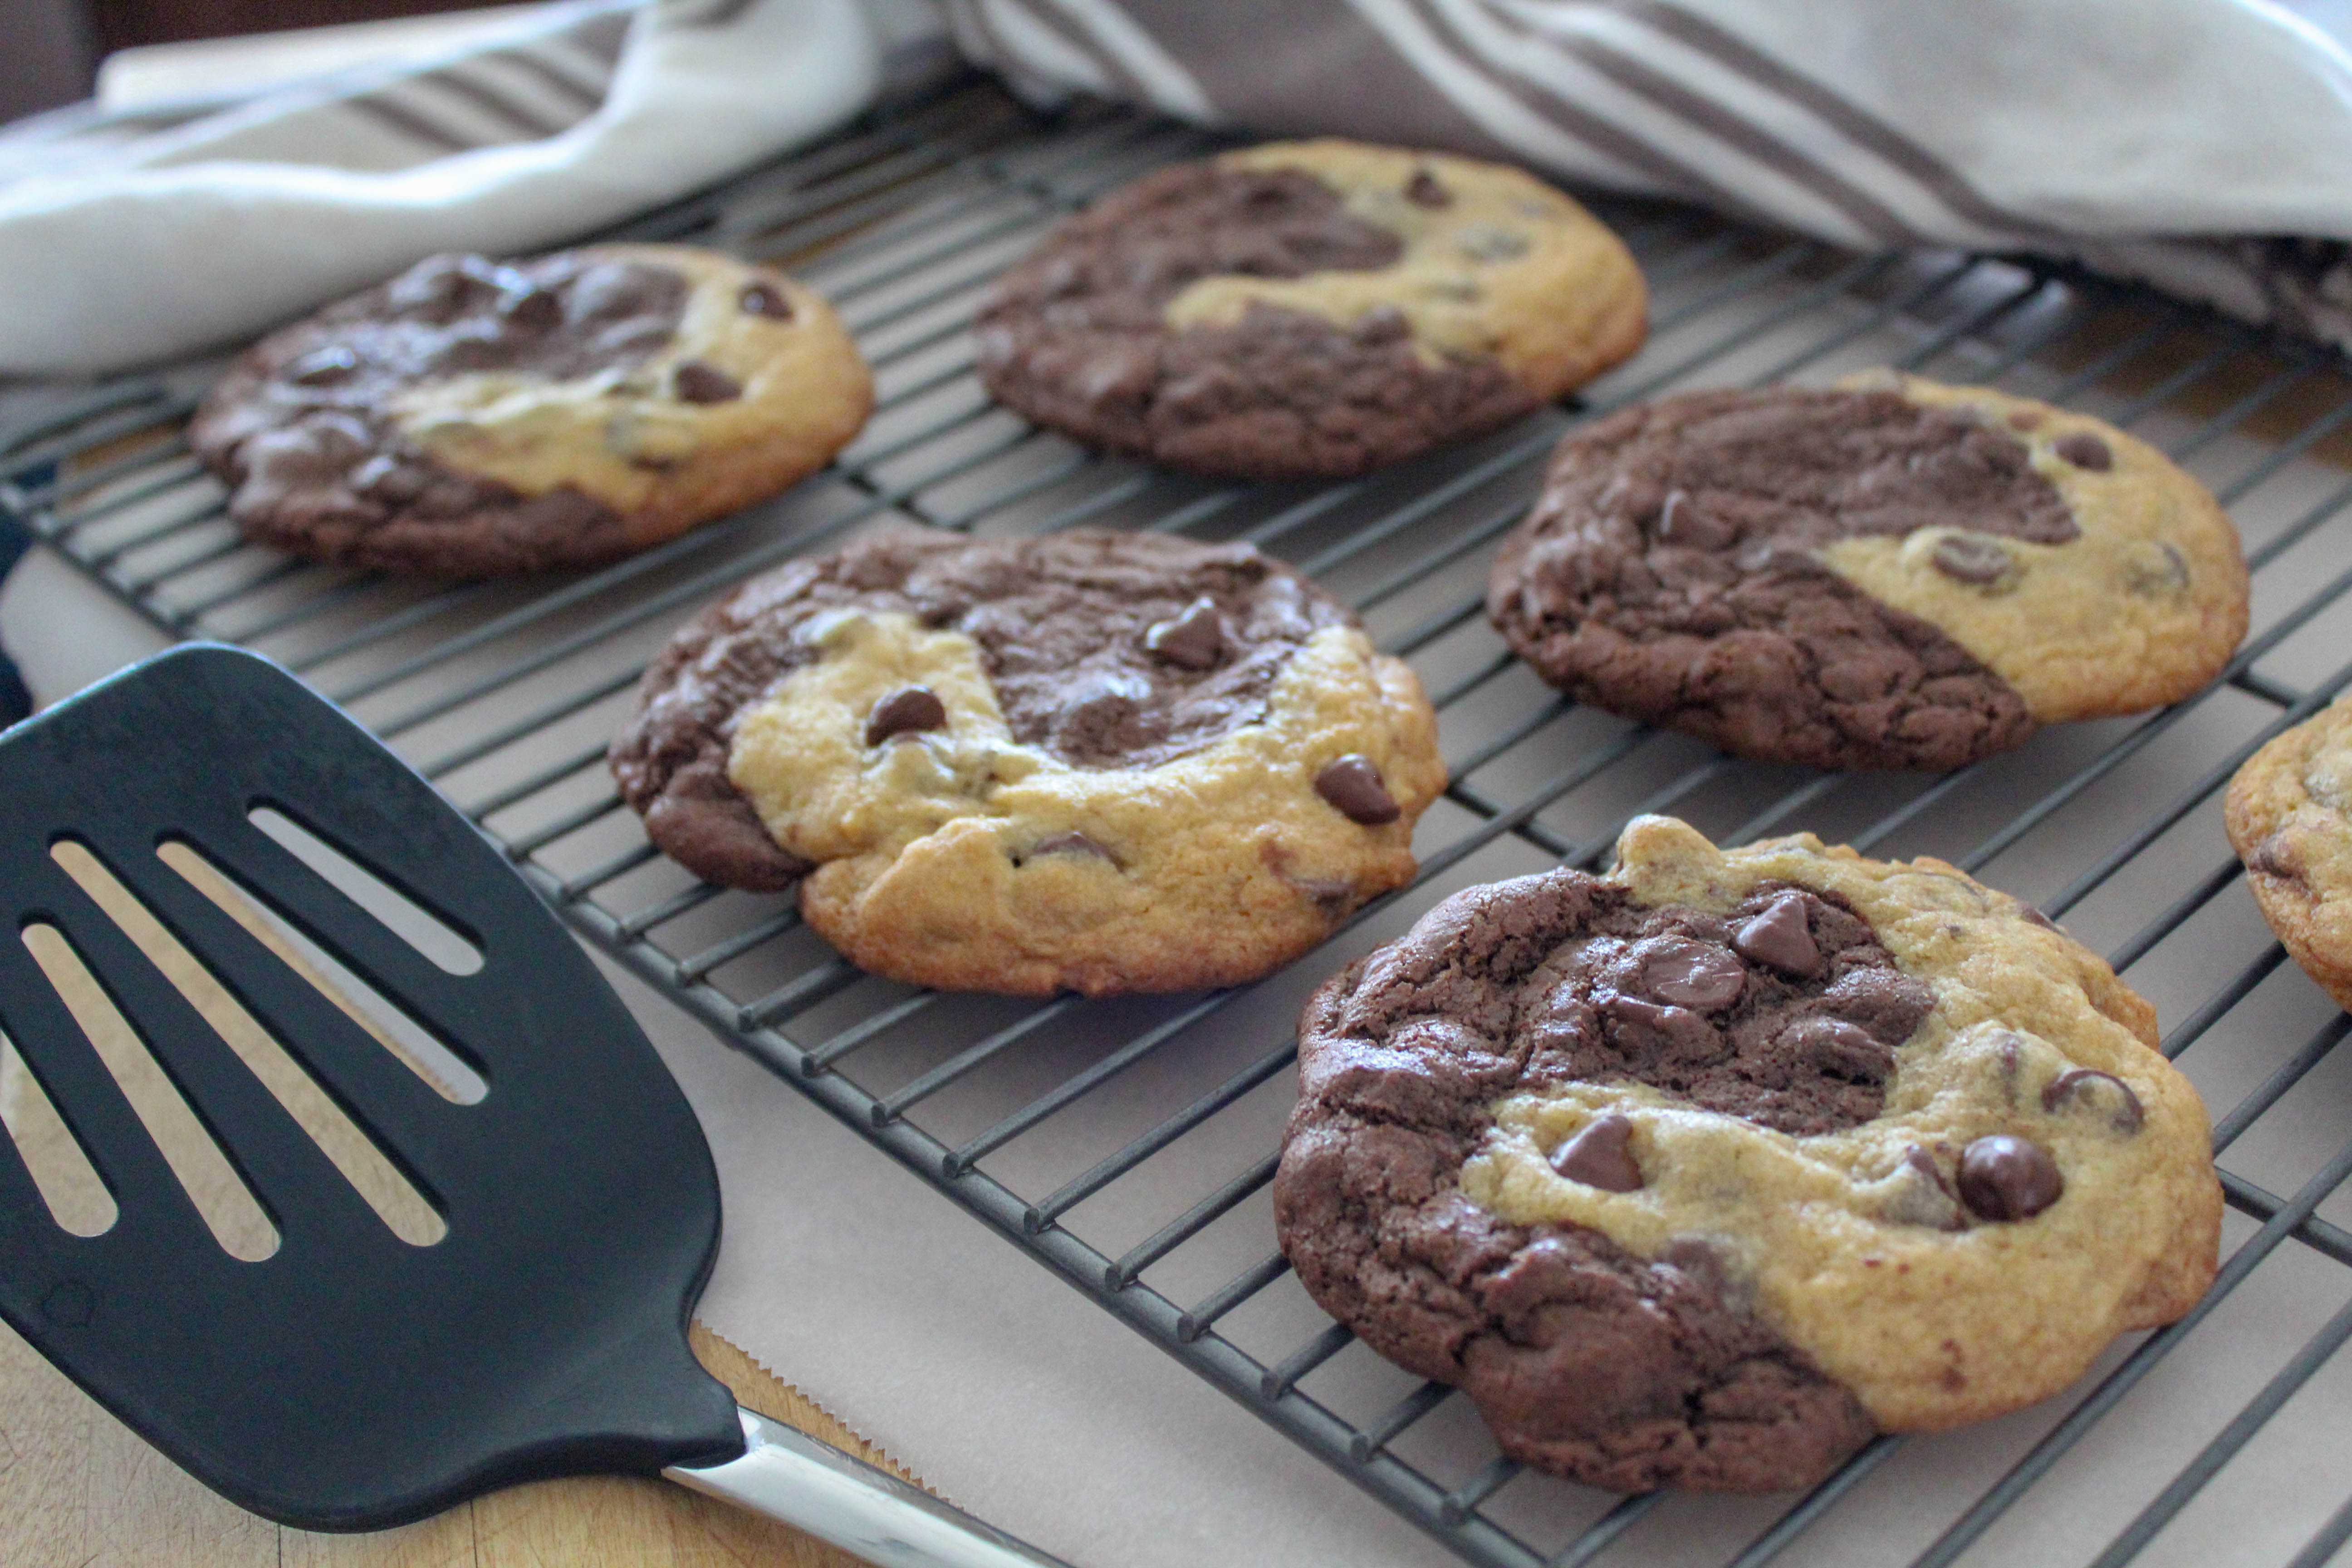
2103	129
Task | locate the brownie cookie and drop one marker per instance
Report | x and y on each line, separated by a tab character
2286	812
1891	573
1701	1172
1094	762
474	418
1309	310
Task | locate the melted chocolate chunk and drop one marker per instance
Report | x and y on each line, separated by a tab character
1692	974
1586	1361
1425	190
1975	561
323	367
2084	450
1782	937
908	710
1667	998
2025	419
2102	1092
1922	1197
1192	640
1072	842
695	382
2006	1178
1060	623
1353	786
2274	856
1075	338
1669	573
1601	1154
764	299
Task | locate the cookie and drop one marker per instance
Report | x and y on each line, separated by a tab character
2286	817
1094	762
1701	1172
1309	310
475	419
1889	574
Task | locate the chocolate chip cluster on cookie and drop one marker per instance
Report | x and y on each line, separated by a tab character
1889	574
1702	1173
1094	762
474	418
1309	309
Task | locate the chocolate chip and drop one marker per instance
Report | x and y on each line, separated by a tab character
2030	913
2084	450
1600	1156
2165	575
903	713
1921	1198
1352	784
1967	559
2272	855
763	299
1680	521
1694	974
2084	1087
323	367
2025	419
1071	843
1192	640
1834	1048
1423	190
531	308
1673	1034
1380	325
695	382
2006	1178
1781	938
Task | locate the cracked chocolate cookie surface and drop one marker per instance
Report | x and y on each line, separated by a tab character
1890	574
1092	761
1701	1172
476	418
1309	309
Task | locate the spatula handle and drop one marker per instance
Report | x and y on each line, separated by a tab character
812	1485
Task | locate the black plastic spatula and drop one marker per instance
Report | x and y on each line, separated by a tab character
351	1380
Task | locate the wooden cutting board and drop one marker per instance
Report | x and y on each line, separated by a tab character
78	1491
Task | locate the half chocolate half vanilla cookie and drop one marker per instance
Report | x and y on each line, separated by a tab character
474	418
1094	762
1886	574
1701	1172
1309	310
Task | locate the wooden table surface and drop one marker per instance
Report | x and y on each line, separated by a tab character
78	1491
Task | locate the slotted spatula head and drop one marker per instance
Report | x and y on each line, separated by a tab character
351	1380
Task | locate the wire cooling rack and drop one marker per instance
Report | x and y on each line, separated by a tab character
1128	1144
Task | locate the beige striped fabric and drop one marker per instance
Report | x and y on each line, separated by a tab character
2173	141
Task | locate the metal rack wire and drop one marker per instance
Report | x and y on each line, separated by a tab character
1128	1144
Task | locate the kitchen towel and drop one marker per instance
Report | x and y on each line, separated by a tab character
2205	145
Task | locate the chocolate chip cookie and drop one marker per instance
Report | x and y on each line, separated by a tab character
1093	761
1309	310
2286	812
1701	1172
1889	574
476	418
